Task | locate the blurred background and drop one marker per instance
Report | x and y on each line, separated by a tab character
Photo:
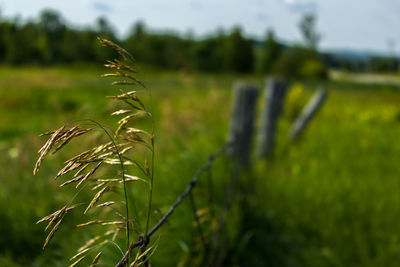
330	198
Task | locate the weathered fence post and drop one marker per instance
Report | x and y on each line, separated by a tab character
275	92
242	125
307	113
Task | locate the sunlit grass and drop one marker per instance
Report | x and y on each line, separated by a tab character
329	200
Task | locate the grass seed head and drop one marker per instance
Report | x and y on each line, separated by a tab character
78	261
51	234
96	198
58	214
96	259
106	204
89	174
46	148
79	254
89	243
125	54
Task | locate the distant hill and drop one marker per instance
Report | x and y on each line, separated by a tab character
343	53
355	54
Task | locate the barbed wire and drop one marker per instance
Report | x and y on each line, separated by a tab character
144	240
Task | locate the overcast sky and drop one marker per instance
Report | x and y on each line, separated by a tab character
356	24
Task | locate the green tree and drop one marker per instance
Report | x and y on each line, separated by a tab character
300	63
22	43
308	29
136	42
104	27
164	50
53	29
105	30
239	52
209	53
271	51
383	64
303	61
3	32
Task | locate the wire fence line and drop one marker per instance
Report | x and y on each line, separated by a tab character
238	147
144	240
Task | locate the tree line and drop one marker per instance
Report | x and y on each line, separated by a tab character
50	40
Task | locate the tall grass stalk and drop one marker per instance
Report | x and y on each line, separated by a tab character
114	152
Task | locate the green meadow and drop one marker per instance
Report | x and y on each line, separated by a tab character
330	199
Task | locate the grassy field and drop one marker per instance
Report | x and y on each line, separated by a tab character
331	199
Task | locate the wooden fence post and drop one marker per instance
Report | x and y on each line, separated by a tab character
242	125
275	92
307	113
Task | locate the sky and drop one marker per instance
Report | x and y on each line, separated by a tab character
372	25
